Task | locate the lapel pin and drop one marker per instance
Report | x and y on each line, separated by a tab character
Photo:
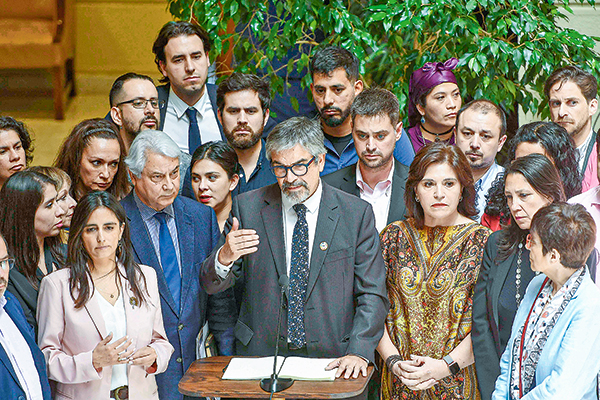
323	246
133	301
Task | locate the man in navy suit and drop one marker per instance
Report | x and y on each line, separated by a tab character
190	116
22	364
174	235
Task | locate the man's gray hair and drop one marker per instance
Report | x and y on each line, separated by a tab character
296	130
149	141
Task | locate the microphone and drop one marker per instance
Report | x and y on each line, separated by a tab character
274	383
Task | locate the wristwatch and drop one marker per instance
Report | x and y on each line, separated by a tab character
452	365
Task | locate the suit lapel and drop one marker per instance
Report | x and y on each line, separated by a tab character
349	182
502	270
132	309
326	224
397	207
93	310
272	217
185	233
144	250
163	94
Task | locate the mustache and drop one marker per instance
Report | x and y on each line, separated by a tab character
243	127
149	118
474	153
3	281
286	185
326	108
371	153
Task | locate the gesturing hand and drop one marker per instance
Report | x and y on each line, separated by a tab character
106	354
144	356
238	243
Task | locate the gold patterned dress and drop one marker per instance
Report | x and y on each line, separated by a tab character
431	275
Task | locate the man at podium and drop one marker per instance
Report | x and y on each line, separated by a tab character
323	239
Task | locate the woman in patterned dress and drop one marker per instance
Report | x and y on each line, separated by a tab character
432	262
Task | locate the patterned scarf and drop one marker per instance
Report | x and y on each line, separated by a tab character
545	312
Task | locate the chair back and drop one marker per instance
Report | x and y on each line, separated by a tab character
30	9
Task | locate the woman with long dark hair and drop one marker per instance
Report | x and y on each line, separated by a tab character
214	169
30	222
432	261
63	198
434	101
92	155
548	139
100	321
531	182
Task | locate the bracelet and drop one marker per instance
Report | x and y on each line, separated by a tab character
392	360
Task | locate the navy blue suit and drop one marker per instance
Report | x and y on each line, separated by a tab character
198	233
9	383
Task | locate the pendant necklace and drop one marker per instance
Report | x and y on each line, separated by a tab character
437	135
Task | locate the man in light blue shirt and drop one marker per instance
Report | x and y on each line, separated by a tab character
480	134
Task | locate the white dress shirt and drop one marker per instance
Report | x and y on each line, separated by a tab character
115	321
289	221
177	124
379	197
20	356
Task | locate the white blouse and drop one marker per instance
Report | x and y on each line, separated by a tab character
115	322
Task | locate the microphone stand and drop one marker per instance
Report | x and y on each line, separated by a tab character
274	383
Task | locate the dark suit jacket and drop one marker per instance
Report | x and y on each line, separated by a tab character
485	334
24	291
346	301
9	382
163	94
198	233
345	179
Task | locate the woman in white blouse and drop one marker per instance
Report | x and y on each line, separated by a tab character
100	321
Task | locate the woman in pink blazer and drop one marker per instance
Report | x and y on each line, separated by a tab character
100	321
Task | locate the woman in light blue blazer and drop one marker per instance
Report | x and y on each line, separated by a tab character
554	349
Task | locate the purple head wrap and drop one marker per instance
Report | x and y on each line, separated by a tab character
428	76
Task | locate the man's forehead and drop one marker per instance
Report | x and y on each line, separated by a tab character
184	44
373	123
480	121
291	155
242	98
337	76
159	163
566	88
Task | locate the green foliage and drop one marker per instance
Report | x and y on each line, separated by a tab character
506	48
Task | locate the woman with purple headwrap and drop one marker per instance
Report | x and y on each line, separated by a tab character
434	101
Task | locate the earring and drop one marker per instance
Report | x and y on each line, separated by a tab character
422	119
459	200
417	199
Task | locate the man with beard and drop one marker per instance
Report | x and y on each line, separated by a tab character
190	115
323	239
335	84
244	102
480	134
376	177
134	105
571	94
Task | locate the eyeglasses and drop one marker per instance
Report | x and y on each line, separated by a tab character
299	169
7	264
140	104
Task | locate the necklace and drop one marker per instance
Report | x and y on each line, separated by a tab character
107	274
437	135
111	294
518	276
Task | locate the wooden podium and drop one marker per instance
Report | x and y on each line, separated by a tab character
203	379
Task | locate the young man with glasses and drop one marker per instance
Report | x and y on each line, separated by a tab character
22	364
134	105
323	239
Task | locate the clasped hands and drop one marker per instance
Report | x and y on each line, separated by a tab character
106	354
420	372
238	243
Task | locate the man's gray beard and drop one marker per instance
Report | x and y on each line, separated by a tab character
296	198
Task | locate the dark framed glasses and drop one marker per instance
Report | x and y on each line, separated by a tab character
140	104
298	169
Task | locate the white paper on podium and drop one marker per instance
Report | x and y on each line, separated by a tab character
298	368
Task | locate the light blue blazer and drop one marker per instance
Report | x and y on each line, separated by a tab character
570	360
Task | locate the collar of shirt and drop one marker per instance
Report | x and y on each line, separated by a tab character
180	106
2	302
312	203
381	188
149	213
582	150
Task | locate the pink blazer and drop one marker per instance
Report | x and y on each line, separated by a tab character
67	336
